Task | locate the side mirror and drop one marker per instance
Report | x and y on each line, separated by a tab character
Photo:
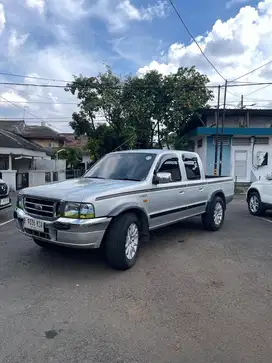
162	178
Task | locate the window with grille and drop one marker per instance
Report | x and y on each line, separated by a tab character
226	140
261	141
241	141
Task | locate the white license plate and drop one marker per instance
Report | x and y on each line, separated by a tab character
4	201
34	224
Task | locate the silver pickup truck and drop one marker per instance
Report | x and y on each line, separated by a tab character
4	195
120	199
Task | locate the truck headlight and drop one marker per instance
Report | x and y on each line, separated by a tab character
86	211
78	210
20	201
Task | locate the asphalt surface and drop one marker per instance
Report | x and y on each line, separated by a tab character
193	296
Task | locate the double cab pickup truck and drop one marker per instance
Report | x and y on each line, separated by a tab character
120	199
4	195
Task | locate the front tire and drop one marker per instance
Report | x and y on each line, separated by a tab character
122	241
255	205
213	219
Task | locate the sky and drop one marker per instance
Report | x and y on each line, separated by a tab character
58	39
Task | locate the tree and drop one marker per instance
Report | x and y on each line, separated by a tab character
72	156
187	94
142	101
137	111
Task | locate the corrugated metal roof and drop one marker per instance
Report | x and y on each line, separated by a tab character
239	111
30	131
14	141
40	132
12	125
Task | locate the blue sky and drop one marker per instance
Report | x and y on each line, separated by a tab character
55	39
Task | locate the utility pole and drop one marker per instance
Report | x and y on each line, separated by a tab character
222	130
216	137
242	101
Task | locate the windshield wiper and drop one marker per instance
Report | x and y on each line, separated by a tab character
132	179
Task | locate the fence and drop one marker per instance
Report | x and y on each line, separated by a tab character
22	180
74	173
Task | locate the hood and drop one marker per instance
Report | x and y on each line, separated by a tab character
79	190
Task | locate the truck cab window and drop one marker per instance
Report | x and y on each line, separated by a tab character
191	167
171	166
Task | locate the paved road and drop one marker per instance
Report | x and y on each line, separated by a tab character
7	214
194	296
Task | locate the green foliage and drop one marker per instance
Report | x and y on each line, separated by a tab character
72	156
138	112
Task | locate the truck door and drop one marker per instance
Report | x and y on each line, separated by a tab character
197	188
166	200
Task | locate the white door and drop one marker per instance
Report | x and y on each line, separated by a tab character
240	165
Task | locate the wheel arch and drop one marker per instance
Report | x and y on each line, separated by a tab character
137	210
253	190
217	193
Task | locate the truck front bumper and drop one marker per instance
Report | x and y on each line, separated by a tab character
77	233
5	202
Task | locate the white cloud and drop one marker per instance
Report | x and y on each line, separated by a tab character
36	4
12	96
15	42
231	3
2	18
49	102
69	9
235	47
118	14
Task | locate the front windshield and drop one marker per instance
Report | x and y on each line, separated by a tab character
122	166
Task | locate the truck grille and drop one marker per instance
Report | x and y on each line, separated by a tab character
43	235
44	208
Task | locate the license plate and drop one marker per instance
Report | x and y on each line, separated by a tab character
34	224
4	201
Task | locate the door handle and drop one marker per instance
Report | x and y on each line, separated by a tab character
201	189
181	192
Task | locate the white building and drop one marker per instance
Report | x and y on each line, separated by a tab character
19	159
247	143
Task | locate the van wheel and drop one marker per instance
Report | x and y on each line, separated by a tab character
122	241
255	205
213	219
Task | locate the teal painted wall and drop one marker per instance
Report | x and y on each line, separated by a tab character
226	157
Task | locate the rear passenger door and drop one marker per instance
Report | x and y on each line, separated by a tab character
166	199
197	188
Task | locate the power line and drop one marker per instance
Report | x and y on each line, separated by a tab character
46	103
93	86
253	70
188	86
21	108
257	90
233	94
194	39
68	118
30	93
33	77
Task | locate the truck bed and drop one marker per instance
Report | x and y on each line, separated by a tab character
215	176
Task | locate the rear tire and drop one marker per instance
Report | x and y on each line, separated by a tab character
213	219
255	205
122	241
